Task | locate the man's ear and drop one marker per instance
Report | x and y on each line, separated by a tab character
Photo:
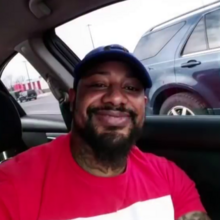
146	100
72	96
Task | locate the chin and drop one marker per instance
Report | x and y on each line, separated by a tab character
114	130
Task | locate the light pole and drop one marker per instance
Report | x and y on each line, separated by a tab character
90	33
25	64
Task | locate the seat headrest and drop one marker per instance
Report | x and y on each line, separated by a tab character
10	124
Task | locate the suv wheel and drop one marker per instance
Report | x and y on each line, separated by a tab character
184	104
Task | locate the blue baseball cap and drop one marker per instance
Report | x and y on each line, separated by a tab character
112	53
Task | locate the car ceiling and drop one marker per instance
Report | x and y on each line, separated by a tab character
18	23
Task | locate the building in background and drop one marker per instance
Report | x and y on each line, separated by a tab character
39	85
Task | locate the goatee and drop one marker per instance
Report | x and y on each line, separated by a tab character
110	148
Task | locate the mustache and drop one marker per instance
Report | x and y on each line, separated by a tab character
95	110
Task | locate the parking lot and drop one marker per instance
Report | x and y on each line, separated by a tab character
45	104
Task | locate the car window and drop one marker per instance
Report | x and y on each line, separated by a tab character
197	40
213	29
28	87
121	23
151	44
179	86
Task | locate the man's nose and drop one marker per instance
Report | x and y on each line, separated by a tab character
114	96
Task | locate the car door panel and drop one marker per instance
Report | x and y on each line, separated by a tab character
40	129
204	77
198	65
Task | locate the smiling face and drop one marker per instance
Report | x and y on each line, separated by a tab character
109	107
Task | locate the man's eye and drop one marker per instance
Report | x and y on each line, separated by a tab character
131	88
98	85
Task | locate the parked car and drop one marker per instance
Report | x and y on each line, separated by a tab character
15	94
183	59
27	95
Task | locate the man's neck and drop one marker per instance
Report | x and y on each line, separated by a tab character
84	156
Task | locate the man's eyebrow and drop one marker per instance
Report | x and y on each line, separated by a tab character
103	72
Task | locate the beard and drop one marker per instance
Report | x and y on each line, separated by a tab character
110	148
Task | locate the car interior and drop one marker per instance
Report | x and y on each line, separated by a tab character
27	27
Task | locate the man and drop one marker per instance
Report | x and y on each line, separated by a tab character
97	172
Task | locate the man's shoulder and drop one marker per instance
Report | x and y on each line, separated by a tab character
155	163
33	159
148	157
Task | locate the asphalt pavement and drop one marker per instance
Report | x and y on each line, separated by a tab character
45	104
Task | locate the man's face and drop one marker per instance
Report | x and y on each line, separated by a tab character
110	104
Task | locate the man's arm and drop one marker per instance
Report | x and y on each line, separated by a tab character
186	199
195	216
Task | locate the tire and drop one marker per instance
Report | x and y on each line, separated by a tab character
180	102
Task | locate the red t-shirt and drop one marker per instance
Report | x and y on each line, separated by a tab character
45	183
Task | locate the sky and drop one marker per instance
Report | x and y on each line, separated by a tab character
122	23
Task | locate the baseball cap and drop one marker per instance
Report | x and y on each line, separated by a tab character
113	52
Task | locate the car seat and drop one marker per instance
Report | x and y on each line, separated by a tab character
11	142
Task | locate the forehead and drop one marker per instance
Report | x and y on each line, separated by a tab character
121	69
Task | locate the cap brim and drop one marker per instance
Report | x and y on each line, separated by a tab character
112	55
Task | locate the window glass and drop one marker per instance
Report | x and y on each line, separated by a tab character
125	23
28	87
151	44
122	23
213	29
197	40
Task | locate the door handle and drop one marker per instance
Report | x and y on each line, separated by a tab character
190	63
